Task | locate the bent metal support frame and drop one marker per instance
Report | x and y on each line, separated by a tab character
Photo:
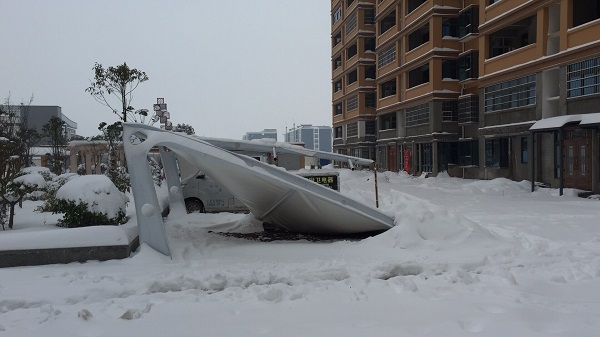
271	194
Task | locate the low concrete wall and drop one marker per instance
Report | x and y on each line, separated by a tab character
36	257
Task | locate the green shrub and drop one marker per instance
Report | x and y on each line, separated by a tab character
78	215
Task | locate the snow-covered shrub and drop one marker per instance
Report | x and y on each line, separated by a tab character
90	201
81	169
119	177
32	186
50	202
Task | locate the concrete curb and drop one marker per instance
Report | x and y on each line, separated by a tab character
37	257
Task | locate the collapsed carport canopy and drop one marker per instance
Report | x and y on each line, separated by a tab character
271	194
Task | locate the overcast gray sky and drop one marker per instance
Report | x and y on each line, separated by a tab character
225	67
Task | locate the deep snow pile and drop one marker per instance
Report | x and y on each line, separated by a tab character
466	258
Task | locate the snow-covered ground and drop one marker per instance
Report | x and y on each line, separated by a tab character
486	258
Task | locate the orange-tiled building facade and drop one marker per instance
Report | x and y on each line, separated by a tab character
428	86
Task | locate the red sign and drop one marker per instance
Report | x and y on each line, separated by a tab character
407	161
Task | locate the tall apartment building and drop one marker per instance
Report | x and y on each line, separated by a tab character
354	77
484	89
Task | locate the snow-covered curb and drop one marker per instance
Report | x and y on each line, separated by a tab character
93	236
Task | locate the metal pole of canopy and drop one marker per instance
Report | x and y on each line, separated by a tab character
561	161
376	187
532	168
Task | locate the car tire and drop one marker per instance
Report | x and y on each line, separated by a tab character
194	205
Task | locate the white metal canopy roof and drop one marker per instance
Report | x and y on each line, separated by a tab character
272	194
267	145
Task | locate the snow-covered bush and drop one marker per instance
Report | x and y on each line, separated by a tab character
50	202
90	200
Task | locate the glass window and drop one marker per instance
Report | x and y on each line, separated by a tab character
386	56
585	11
418	76
388	88
524	152
496	152
515	36
387	121
418	37
468	153
583	78
352	129
337	15
450	27
352	102
387	22
352	76
511	94
449	111
417	115
351	23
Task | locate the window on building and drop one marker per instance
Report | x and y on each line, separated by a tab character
352	103
351	52
349	3
468	21
352	76
370	44
370	128
337	62
450	111
338	132
369	16
418	37
352	130
370	100
418	76
388	88
351	23
336	39
515	36
387	22
491	2
370	72
447	155
524	152
417	115
337	109
468	109
387	121
337	85
585	11
386	56
468	66
414	4
496	152
336	15
468	153
450	27
450	69
511	94
426	157
583	78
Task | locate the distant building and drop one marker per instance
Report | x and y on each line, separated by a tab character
314	137
266	133
39	115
